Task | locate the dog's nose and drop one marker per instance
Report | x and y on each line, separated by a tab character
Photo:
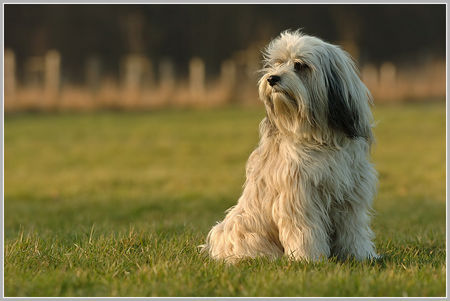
273	79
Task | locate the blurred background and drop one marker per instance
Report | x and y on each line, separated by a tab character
87	57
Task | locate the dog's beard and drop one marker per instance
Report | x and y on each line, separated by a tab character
291	111
285	105
285	110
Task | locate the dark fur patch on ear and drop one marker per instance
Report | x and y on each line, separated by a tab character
341	116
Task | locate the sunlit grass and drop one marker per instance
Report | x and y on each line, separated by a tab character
114	204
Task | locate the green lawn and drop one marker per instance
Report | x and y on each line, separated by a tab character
114	204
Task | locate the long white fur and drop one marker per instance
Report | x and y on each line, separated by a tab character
309	188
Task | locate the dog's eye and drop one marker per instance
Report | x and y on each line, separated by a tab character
298	66
276	63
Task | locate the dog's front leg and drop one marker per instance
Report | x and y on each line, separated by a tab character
353	237
303	229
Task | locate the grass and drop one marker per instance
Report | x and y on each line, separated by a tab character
114	204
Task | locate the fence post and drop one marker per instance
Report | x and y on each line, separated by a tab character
388	79
52	74
369	76
196	80
131	73
227	79
10	78
131	79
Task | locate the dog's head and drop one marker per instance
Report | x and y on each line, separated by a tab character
311	89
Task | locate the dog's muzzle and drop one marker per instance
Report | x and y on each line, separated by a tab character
273	79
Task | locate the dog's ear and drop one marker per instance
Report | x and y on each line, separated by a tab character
343	109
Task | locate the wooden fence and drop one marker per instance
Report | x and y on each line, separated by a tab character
139	87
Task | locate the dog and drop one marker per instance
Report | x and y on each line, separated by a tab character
309	183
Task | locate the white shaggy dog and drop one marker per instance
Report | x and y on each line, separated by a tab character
310	185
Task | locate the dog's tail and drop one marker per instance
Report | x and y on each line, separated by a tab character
203	249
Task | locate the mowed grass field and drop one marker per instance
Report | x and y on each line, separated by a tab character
115	204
